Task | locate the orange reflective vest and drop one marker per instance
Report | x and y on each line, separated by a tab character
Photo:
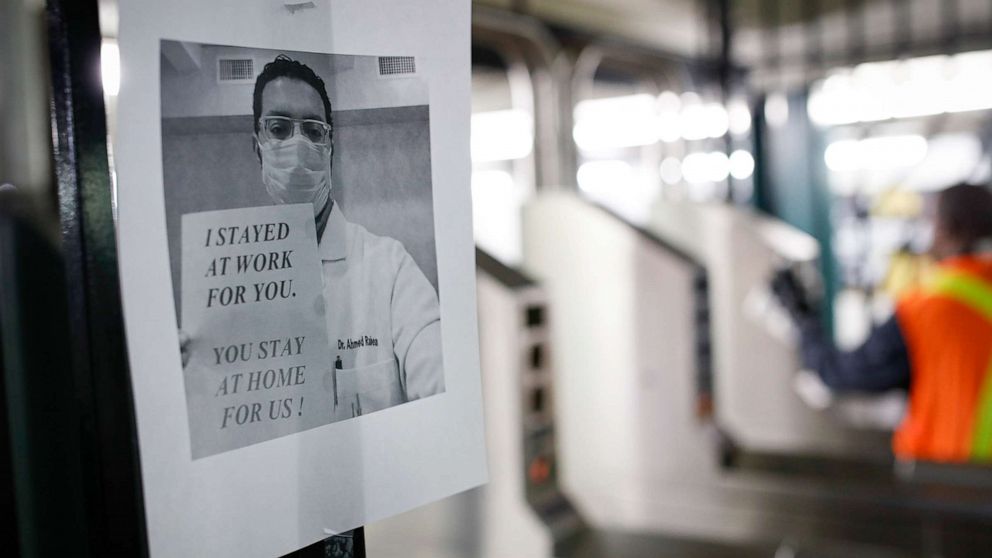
947	327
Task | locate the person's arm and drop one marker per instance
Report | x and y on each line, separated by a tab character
880	364
416	319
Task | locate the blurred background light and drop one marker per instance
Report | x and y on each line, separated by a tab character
502	135
717	120
915	87
878	153
922	87
615	122
619	186
876	82
669	120
706	167
717	166
669	127
694	120
739	117
970	84
496	201
110	67
777	109
671	170
831	101
695	168
668	101
596	176
951	158
741	164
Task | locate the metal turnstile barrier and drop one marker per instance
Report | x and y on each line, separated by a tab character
631	350
521	512
756	362
640	455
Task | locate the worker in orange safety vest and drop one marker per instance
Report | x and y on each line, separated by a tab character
938	343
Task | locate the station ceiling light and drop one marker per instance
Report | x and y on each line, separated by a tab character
706	167
741	164
777	109
914	87
671	170
739	117
502	135
615	122
878	153
669	120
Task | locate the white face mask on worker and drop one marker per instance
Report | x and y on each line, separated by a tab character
297	171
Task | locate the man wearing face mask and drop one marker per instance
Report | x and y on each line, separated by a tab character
383	319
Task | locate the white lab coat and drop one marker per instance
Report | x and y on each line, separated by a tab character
383	320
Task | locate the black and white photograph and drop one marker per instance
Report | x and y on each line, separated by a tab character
337	148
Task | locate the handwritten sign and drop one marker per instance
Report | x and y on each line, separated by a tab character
253	310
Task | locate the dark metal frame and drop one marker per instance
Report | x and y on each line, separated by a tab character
99	354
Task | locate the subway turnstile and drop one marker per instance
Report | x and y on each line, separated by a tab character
521	512
672	397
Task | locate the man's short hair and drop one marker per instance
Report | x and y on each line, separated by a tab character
284	66
965	212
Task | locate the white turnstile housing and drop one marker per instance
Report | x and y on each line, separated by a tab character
521	511
625	350
755	368
637	454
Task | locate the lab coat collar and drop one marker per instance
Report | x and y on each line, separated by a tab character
334	242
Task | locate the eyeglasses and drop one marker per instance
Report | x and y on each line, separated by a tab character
282	128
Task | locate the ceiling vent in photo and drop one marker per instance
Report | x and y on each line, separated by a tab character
397	66
235	70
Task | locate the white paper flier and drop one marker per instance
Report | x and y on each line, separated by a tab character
294	214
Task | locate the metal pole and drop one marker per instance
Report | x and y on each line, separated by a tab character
813	40
856	35
771	46
113	490
725	63
903	16
724	71
950	19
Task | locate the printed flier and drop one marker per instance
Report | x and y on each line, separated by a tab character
296	266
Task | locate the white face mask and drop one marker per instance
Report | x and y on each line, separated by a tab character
297	171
